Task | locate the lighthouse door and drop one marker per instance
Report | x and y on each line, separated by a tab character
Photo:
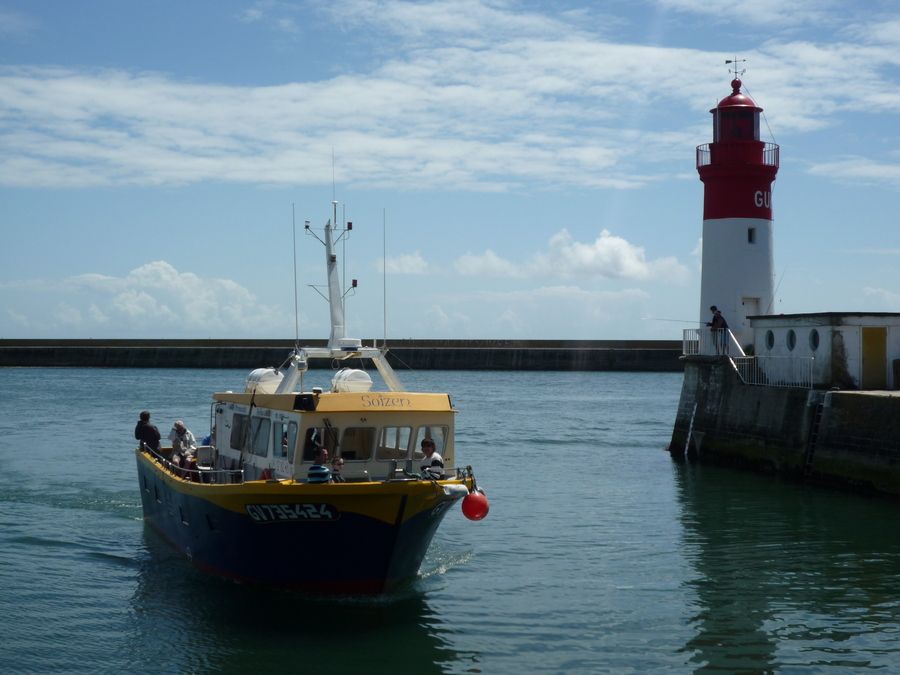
750	307
874	358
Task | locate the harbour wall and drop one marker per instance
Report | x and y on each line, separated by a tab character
845	439
573	355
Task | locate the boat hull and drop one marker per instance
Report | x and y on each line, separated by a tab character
351	538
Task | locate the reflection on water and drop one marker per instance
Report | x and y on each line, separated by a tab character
201	624
787	575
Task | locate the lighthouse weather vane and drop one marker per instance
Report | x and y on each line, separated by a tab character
734	70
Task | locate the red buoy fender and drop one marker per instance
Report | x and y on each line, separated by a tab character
475	505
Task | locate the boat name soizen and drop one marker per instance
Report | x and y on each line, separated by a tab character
243	508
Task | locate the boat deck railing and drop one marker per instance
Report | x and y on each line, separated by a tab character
201	474
208	474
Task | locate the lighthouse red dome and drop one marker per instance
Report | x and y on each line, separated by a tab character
736	99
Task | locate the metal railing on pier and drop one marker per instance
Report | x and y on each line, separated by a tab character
710	342
770	371
776	371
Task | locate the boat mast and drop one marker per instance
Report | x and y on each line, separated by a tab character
335	299
339	347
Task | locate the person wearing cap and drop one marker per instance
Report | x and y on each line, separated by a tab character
432	462
183	441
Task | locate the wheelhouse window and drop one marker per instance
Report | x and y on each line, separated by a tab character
358	443
238	429
393	443
437	433
285	440
317	437
255	439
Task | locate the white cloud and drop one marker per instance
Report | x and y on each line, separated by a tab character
607	257
761	12
18	318
859	170
15	24
488	265
154	299
471	95
888	301
67	315
410	263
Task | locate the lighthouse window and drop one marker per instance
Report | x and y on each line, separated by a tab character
791	340
814	339
770	339
751	235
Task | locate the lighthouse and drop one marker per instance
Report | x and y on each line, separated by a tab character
737	170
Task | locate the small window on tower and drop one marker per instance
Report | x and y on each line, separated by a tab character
751	235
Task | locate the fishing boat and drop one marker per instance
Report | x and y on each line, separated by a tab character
244	507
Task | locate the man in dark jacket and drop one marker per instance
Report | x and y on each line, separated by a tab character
144	431
719	330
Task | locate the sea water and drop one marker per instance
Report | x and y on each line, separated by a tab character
599	555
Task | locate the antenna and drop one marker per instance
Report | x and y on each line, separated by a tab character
384	273
296	311
735	61
333	192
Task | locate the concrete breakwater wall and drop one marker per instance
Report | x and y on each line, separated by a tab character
847	439
575	355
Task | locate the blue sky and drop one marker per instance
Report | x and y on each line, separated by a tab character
512	169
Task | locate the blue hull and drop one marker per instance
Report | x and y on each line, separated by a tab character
311	538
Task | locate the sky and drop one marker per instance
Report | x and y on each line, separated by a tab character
512	170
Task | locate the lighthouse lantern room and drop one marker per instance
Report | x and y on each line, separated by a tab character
737	170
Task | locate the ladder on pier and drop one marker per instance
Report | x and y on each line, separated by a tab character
813	439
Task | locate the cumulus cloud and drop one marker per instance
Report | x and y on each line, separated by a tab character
152	300
859	171
880	297
410	263
608	257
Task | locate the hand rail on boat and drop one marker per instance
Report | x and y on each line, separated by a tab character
217	476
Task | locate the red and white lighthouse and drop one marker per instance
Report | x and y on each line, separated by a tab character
737	170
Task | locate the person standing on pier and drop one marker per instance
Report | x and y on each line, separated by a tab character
719	330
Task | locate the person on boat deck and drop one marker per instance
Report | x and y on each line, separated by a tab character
146	432
210	438
183	441
319	472
432	462
336	465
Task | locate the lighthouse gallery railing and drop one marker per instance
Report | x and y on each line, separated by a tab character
738	152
